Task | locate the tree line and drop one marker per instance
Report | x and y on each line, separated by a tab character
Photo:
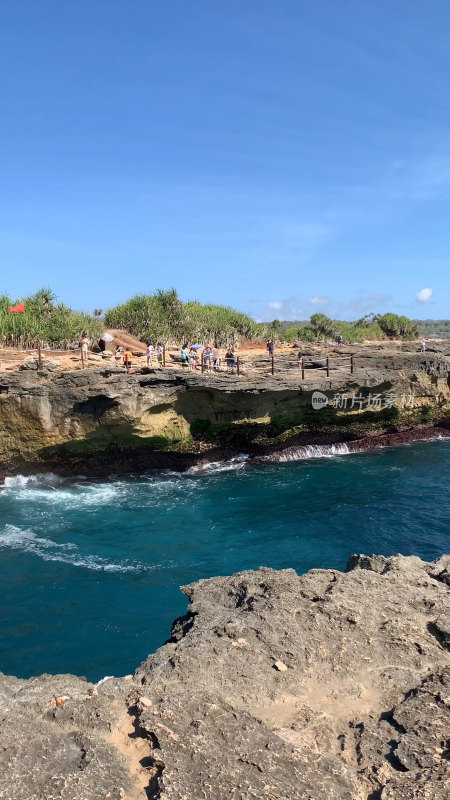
159	317
45	322
369	327
164	317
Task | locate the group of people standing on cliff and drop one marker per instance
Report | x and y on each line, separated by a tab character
192	356
151	353
210	358
127	356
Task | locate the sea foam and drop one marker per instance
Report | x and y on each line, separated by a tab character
56	490
309	451
16	538
238	462
43	479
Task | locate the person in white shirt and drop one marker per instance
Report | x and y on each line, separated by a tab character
217	356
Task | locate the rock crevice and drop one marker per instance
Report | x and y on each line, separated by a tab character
258	694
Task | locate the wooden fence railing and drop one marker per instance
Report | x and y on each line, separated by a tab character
271	365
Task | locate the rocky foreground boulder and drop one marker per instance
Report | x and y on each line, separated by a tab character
326	686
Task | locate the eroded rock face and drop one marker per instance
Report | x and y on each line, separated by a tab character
49	752
326	686
102	420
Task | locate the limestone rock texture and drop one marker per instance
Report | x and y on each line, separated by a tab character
325	686
101	420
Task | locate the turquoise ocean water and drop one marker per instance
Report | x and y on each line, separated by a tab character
89	571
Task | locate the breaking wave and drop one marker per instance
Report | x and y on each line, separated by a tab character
66	553
238	462
22	481
309	451
55	490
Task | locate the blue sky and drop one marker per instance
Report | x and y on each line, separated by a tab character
281	157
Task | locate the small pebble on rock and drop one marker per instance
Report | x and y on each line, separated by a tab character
145	701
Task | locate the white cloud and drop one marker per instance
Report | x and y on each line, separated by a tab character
295	308
362	304
424	295
321	302
289	309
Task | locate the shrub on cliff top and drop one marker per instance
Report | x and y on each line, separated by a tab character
44	323
164	317
371	327
395	326
157	317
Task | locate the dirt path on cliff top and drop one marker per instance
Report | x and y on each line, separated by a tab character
128	740
12	359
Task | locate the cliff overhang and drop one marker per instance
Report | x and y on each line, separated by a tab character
101	420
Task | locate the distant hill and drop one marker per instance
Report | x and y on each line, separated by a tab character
434	328
297	323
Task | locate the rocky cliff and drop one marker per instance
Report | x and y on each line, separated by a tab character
102	420
325	686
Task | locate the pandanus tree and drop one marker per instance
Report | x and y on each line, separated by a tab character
164	317
45	322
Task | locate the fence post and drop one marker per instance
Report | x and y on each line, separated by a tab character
351	363
237	362
39	359
328	367
303	369
273	360
202	356
164	355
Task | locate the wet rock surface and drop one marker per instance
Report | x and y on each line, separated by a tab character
324	686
